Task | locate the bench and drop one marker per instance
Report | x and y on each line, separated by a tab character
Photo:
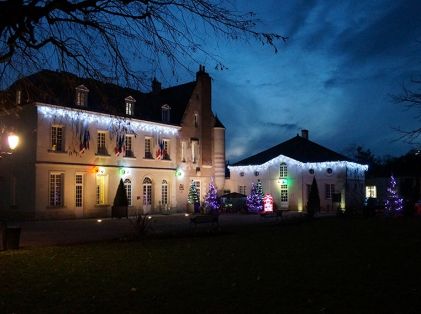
275	214
205	219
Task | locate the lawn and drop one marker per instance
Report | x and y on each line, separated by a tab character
329	265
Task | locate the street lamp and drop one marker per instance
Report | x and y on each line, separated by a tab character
12	140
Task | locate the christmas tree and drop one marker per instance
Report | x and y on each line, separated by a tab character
394	203
259	190
254	200
211	199
193	198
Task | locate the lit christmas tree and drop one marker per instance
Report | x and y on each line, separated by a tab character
193	198
394	203
259	190
211	199
254	200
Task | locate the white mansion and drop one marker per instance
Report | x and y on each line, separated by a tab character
79	137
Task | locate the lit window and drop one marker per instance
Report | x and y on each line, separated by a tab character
81	96
147	192
79	190
183	151
166	152
371	191
242	189
148	151
196	120
195	151
56	189
166	113
18	97
101	191
329	191
283	170
284	193
101	147
164	192
128	187
130	105
129	147
57	143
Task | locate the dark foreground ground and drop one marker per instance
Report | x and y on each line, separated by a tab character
329	265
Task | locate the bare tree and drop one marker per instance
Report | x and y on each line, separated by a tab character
107	39
411	99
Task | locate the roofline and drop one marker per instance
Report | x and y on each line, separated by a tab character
93	116
307	165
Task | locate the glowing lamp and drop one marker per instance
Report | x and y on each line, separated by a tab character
124	171
13	140
100	170
179	173
282	181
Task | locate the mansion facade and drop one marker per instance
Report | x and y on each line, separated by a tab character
80	137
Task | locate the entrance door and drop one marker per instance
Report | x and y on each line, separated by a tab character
284	196
147	195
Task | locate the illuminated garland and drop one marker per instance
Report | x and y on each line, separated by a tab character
303	165
69	114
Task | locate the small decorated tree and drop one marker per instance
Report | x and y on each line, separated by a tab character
254	200
193	197
259	189
211	199
313	203
394	204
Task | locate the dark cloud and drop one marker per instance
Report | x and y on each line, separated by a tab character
388	35
284	126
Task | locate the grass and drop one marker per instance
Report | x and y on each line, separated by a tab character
325	266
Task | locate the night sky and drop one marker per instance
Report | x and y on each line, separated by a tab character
335	76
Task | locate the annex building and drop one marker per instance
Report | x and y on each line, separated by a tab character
286	171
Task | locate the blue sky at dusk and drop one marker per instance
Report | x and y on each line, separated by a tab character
335	76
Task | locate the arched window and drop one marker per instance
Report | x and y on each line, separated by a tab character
81	96
283	170
164	192
147	192
128	187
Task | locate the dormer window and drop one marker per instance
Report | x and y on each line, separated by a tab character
130	105
82	96
165	113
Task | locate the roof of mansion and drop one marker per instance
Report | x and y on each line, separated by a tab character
298	148
58	88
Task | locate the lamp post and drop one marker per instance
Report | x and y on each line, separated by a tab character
7	148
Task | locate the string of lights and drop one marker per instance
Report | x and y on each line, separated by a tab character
52	112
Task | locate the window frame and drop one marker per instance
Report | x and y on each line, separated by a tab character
54	189
55	130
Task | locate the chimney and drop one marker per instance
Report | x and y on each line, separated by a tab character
304	134
201	72
156	86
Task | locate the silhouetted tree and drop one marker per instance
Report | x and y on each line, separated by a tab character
121	203
313	203
106	39
411	99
